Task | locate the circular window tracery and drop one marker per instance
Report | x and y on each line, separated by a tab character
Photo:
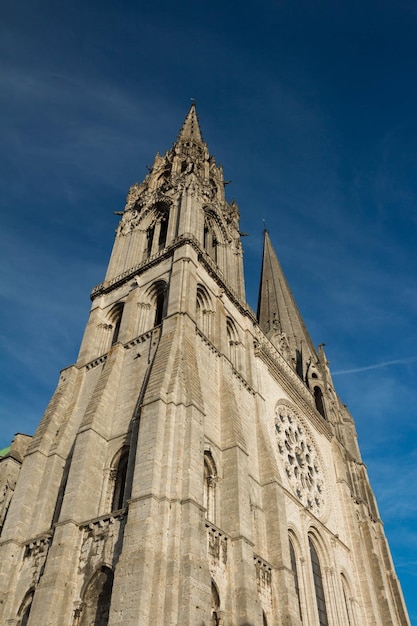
301	459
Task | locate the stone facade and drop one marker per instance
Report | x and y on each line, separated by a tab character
195	466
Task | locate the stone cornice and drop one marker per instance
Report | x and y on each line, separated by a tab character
210	266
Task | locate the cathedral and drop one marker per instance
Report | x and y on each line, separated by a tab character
195	466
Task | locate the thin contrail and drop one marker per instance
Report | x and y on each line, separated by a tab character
410	359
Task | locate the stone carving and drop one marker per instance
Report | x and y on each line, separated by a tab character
217	545
133	195
300	457
98	542
36	552
263	580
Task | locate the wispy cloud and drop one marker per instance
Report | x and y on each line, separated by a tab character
376	366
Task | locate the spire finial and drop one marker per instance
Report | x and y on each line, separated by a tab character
190	130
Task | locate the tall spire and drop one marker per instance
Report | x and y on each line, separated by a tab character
190	130
277	310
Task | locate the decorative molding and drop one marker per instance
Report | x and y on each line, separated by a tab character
263	578
304	467
101	359
293	385
216	544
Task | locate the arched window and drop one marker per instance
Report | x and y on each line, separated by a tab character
25	608
118	500
233	343
211	236
163	231
318	399
96	599
210	480
318	585
204	311
152	307
295	574
149	240
159	307
346	600
157	232
215	604
116	319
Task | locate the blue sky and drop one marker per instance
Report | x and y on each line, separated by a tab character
311	108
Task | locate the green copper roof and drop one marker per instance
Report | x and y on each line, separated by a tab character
5	451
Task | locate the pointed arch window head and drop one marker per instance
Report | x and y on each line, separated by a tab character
25	608
318	585
210	481
157	232
233	342
159	290
120	469
346	600
215	605
204	311
116	319
96	599
295	575
319	401
211	237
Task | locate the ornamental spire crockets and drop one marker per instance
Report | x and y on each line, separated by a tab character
182	196
278	314
190	130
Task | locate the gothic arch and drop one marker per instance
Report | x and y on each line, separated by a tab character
152	307
214	235
215	604
233	343
347	599
319	400
107	332
156	223
95	599
25	608
115	317
295	551
210	484
318	556
118	474
204	311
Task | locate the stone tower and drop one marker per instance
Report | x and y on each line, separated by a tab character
195	466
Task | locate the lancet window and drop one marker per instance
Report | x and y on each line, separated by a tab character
211	237
318	585
210	482
233	343
319	401
157	232
215	605
96	600
119	477
346	601
204	312
25	608
159	294
116	317
152	307
295	574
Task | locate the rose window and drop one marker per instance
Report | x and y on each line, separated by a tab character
301	461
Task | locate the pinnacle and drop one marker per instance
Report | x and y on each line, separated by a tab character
190	130
277	309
